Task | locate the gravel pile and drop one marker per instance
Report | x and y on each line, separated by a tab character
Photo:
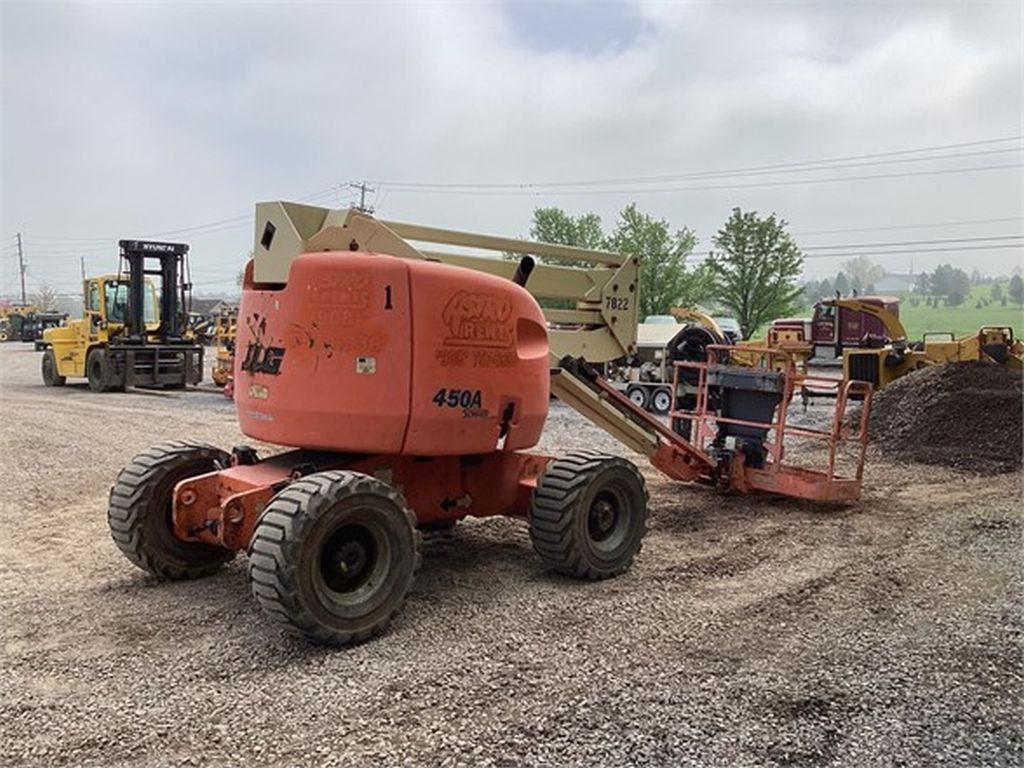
963	415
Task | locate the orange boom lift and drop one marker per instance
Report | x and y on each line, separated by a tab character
410	384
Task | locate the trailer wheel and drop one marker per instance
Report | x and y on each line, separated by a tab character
49	366
4	336
139	514
588	516
333	556
661	400
97	370
638	395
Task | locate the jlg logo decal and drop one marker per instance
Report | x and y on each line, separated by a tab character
260	359
478	320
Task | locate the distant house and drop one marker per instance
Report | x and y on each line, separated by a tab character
895	284
210	306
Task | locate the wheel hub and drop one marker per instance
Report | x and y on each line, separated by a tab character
348	559
603	517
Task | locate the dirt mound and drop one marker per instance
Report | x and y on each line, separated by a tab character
964	415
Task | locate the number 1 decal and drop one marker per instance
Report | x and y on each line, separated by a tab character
387	297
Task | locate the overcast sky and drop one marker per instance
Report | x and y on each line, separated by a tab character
126	120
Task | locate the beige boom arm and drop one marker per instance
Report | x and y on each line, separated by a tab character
604	287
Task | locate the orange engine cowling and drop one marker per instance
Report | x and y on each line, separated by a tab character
368	353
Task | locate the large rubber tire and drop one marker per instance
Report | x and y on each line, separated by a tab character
589	515
333	556
139	514
49	369
97	370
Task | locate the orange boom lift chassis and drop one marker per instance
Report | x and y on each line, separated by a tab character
410	383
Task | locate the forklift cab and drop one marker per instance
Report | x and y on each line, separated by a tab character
106	303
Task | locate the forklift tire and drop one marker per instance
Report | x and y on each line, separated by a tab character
588	516
97	370
4	336
333	556
139	514
50	376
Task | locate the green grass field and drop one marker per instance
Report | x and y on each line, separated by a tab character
960	321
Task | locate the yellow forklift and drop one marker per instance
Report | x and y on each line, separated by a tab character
130	335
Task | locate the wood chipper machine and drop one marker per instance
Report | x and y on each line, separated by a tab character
410	384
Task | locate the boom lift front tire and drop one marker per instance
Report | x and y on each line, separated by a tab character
139	514
333	556
49	367
97	370
589	515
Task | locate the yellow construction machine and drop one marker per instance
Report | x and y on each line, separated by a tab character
11	318
127	336
225	328
882	360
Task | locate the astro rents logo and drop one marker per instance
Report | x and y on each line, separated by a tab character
478	320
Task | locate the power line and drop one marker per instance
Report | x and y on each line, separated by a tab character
902	243
697	175
67	244
962	223
750	170
906	252
712	187
363	189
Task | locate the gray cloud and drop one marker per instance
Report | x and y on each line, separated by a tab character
128	119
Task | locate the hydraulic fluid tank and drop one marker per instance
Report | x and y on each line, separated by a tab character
365	353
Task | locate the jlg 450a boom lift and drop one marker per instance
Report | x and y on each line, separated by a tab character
411	382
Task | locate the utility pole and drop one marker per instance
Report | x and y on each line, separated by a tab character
363	189
21	269
81	260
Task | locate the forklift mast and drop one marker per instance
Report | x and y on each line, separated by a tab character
174	289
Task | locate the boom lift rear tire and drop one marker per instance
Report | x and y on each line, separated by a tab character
333	556
588	516
97	369
139	514
49	367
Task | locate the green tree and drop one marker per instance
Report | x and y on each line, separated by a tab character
665	280
754	272
947	279
997	292
958	287
1016	289
842	284
922	284
553	225
863	272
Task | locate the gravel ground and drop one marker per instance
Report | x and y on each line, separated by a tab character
749	632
